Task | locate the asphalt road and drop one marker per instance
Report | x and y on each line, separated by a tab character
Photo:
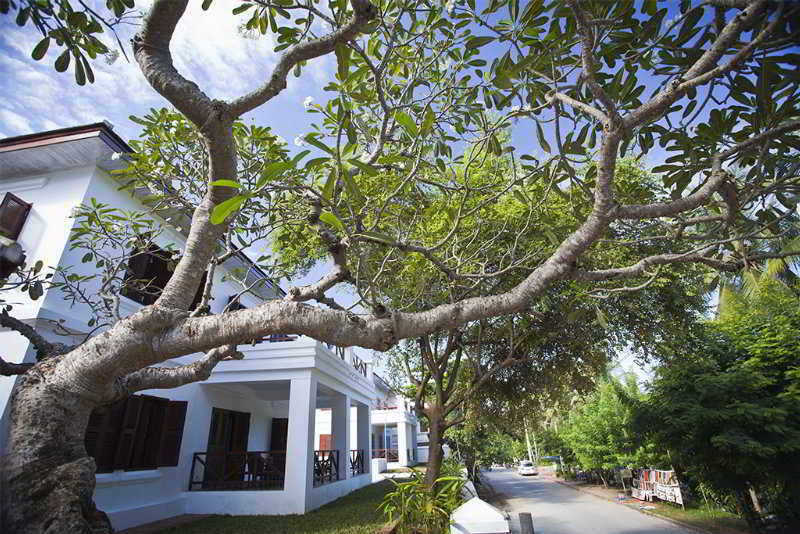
557	509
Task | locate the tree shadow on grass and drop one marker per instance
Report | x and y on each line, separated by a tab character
356	513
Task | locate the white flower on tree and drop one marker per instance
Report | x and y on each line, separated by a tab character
308	102
298	141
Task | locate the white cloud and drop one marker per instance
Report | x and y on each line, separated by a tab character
15	123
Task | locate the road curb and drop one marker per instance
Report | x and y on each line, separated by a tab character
645	512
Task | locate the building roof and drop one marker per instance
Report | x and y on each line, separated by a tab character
76	146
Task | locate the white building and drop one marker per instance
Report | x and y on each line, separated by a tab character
245	441
394	428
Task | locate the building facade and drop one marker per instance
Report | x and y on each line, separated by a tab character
246	440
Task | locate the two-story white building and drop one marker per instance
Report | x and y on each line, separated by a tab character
245	441
394	427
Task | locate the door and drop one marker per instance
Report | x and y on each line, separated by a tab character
226	453
277	443
325	442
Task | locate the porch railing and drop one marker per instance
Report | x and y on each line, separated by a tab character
389	454
227	471
326	467
357	462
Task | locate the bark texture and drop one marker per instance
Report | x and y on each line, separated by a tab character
48	480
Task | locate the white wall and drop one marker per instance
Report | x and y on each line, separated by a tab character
135	497
323	426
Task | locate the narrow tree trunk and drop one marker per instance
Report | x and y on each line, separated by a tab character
435	452
48	480
747	510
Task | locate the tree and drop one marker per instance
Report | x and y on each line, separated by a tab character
725	404
598	428
423	68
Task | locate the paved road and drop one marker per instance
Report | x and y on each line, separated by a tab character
557	509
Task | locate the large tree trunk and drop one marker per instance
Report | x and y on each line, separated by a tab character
435	452
48	480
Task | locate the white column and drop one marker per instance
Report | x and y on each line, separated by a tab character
300	441
402	443
414	444
364	435
340	428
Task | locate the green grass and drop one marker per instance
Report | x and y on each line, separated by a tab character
355	513
711	520
418	467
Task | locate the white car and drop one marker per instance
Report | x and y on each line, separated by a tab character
526	467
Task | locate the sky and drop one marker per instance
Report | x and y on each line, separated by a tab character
207	49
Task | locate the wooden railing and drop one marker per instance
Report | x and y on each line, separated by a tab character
326	467
359	365
357	462
389	454
227	471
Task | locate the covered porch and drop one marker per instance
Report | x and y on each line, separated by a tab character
267	461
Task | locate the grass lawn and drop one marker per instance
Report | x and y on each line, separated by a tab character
418	467
713	521
355	513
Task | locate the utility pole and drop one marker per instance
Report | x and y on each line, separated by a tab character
527	439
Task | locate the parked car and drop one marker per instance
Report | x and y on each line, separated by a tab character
526	467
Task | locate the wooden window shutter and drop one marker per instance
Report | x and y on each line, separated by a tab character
151	441
172	434
101	435
127	435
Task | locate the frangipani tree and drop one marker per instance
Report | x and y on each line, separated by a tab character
714	86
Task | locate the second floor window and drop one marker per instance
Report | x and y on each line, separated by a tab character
13	214
149	270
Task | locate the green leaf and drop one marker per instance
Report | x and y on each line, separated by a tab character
273	170
331	220
316	162
41	49
342	60
427	122
477	42
383	238
366	167
542	141
408	124
226	183
601	317
206	4
330	183
225	208
62	62
312	140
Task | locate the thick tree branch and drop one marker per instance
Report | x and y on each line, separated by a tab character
364	12
13	369
43	347
151	50
166	377
587	61
701	196
655	107
580	106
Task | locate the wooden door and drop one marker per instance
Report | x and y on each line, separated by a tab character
227	448
325	442
279	434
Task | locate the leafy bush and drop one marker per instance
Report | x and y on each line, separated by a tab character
419	509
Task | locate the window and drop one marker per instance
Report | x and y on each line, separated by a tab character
140	432
148	273
13	213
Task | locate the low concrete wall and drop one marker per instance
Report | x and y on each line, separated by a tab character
378	466
331	492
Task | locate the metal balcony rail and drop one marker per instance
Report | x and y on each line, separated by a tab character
230	471
389	454
326	467
357	462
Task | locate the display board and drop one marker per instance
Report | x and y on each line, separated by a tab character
649	484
